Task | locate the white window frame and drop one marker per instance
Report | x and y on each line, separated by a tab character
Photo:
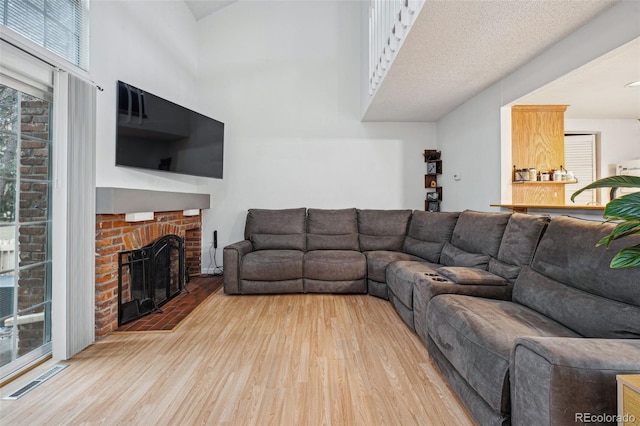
23	72
49	56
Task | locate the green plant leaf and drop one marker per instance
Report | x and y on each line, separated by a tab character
620	181
621	230
625	208
627	258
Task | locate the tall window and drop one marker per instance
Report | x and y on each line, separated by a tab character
59	26
25	226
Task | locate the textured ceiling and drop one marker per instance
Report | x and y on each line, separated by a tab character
458	48
597	90
202	8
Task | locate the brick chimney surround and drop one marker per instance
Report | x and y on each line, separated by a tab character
128	219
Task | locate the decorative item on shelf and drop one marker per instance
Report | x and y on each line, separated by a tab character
520	175
433	196
433	206
431	155
430	181
434	167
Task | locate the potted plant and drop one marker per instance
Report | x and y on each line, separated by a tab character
626	210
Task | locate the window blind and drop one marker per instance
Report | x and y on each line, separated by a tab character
580	158
59	26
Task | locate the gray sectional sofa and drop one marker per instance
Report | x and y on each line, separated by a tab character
521	313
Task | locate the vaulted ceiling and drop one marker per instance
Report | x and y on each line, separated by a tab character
203	8
456	49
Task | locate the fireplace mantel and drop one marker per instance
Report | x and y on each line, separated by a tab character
127	200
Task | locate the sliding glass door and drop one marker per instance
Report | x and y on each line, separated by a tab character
25	224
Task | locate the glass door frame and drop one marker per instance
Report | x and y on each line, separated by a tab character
33	78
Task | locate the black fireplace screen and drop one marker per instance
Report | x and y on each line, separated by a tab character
149	277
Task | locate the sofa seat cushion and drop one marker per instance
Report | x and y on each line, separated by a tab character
476	336
335	265
425	290
278	241
454	256
402	276
377	262
470	276
272	265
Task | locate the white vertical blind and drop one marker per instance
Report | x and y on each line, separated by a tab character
81	208
580	158
59	26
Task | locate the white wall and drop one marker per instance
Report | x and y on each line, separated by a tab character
469	139
284	77
151	45
470	135
619	139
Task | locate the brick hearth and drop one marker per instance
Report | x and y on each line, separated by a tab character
114	234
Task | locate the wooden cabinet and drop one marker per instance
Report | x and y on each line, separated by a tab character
629	400
537	141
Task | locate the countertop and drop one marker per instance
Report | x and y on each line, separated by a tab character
523	208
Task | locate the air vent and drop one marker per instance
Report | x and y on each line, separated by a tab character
37	382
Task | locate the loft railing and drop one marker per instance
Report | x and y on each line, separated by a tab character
389	24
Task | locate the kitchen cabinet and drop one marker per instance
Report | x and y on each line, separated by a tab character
537	141
629	399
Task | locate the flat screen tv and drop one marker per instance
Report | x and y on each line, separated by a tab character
156	134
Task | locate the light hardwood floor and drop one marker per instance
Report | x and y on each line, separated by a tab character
236	360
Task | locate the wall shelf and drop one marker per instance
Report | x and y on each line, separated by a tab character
434	168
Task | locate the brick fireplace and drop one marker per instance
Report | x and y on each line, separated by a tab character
118	229
114	234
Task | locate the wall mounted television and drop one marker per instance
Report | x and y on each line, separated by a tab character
154	133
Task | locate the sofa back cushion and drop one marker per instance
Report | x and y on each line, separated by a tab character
519	242
332	229
276	229
428	233
570	281
382	229
476	239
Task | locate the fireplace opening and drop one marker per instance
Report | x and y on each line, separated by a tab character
149	277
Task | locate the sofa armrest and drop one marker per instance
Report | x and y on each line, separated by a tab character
558	380
232	261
